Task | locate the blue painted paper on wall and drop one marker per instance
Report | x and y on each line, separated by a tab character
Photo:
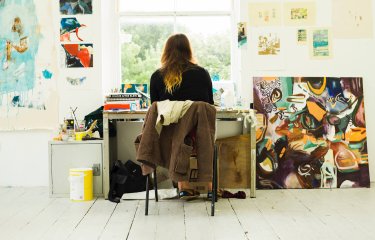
24	83
19	42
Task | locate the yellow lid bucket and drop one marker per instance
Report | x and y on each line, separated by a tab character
81	184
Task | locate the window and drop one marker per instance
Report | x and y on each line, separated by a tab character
146	25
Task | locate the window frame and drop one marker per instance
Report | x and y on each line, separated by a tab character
234	76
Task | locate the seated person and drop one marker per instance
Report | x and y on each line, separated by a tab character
180	78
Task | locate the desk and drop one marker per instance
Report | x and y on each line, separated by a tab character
127	115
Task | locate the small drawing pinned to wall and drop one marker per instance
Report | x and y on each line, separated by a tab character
352	20
242	34
69	26
268	44
76	81
78	55
320	46
302	36
298	13
265	14
73	7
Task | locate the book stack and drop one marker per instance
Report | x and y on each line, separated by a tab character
122	101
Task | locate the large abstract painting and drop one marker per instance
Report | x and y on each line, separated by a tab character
311	132
27	66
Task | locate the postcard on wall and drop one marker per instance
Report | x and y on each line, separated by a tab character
74	7
301	36
241	34
300	13
352	19
312	132
28	72
265	14
320	43
77	55
74	29
267	50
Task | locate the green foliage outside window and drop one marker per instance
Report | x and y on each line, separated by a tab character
141	56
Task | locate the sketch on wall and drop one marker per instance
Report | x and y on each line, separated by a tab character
320	44
269	44
311	132
267	49
265	14
73	30
76	81
351	19
77	55
300	13
302	36
27	82
73	7
241	34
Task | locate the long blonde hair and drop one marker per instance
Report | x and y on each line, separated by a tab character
176	58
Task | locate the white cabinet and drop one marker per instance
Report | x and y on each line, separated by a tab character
75	154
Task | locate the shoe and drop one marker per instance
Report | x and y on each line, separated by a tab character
188	194
209	195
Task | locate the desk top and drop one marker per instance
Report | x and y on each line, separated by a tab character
127	114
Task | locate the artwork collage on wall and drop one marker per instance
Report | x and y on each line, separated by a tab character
76	38
350	20
311	132
28	86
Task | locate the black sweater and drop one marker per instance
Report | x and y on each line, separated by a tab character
196	85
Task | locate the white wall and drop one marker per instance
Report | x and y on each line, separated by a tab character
24	154
351	58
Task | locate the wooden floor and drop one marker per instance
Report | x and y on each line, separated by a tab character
28	213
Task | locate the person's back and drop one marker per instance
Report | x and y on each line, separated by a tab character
195	86
179	78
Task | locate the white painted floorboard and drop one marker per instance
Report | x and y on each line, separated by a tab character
29	213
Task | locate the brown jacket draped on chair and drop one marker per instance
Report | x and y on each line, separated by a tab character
169	150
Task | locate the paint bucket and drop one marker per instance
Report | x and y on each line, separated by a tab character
81	184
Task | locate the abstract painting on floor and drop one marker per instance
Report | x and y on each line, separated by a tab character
311	132
27	81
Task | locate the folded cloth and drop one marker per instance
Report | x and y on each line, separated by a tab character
239	194
170	112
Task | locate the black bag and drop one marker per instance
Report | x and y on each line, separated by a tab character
125	178
98	115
